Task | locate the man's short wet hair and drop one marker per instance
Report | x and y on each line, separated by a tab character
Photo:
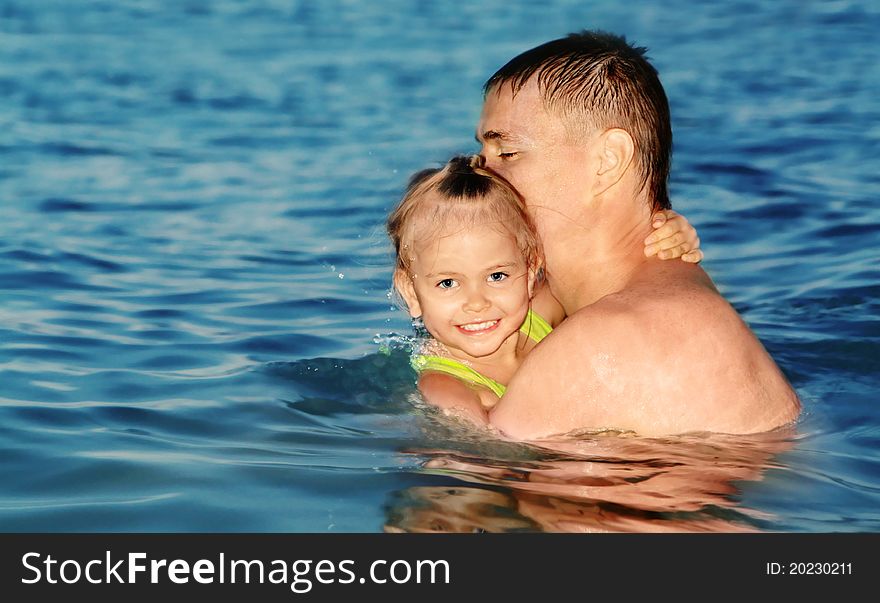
598	80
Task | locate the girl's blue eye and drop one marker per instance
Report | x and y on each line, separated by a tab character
446	283
496	277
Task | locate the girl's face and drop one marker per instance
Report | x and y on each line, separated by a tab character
471	287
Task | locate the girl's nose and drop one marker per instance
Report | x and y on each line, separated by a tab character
476	301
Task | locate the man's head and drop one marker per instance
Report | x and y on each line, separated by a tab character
566	95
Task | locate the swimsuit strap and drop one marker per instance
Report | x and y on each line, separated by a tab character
535	327
456	369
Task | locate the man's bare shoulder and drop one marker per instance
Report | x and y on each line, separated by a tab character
650	311
662	301
663	356
556	388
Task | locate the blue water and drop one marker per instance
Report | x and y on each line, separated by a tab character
193	270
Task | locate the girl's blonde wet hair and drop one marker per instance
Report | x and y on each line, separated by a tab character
465	193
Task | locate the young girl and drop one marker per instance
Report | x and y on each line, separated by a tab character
470	266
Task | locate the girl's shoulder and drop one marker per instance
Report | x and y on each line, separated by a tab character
544	304
450	393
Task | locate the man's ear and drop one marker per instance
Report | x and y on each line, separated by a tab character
616	152
404	285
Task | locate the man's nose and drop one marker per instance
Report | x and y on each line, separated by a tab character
483	156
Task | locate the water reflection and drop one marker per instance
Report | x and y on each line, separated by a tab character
599	483
456	509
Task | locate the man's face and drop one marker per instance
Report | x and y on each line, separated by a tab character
532	150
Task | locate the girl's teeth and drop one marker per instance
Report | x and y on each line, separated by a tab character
480	326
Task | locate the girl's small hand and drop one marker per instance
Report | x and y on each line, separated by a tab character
673	237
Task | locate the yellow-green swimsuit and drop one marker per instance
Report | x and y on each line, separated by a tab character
534	326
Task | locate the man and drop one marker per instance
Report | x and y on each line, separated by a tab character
580	126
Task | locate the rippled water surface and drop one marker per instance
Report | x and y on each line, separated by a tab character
193	271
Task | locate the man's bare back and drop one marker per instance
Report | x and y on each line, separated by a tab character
581	127
603	367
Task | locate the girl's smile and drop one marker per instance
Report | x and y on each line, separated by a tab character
470	285
479	328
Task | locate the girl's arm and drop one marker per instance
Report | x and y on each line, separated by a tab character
673	237
453	397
